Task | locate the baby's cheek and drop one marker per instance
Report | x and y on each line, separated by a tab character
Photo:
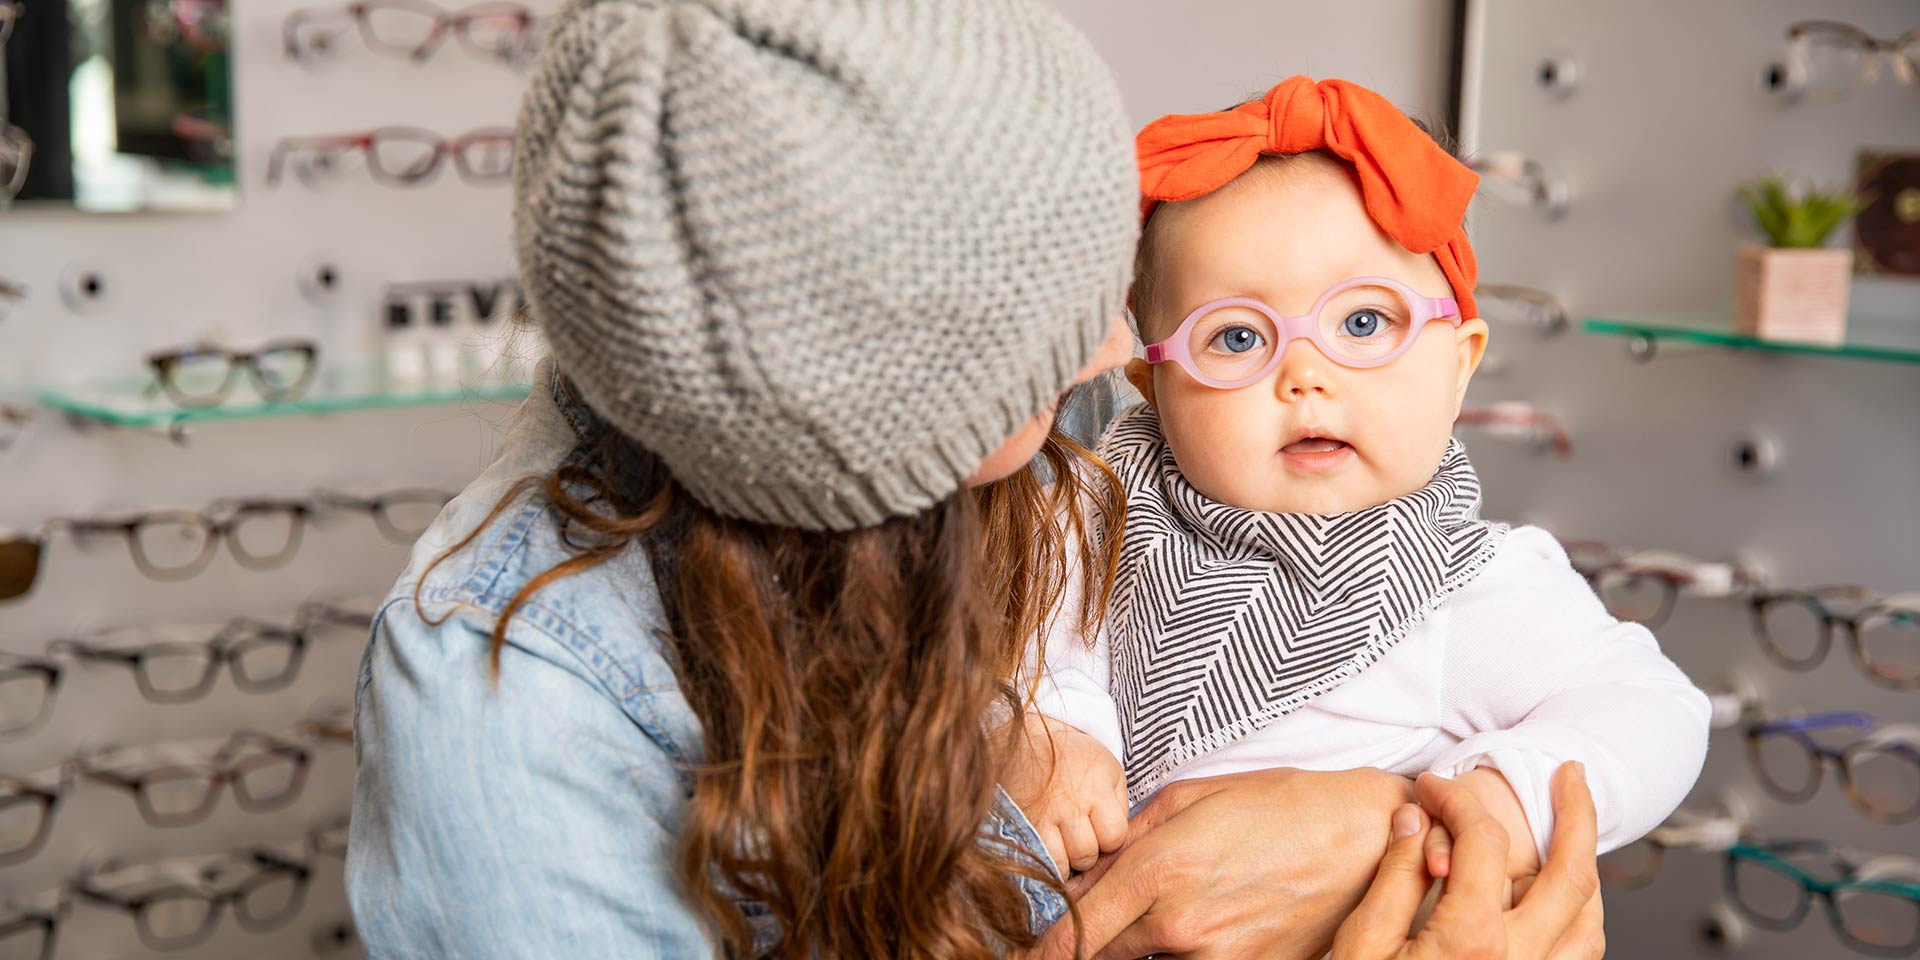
1220	445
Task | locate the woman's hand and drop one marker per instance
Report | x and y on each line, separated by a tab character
1556	918
1263	864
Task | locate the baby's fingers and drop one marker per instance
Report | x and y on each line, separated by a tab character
1439	850
1056	848
1110	820
1083	847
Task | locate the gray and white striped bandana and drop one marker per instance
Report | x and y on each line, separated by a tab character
1225	619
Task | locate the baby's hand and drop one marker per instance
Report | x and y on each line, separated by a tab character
1071	788
1492	790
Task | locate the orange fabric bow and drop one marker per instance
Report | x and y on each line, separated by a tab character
1413	189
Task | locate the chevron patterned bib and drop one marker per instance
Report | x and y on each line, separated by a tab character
1225	619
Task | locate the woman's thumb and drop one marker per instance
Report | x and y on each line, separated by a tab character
1378	927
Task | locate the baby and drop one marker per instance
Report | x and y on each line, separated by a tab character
1304	579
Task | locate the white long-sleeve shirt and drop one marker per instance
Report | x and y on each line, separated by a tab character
1521	670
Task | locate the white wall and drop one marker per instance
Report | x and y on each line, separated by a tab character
1191	57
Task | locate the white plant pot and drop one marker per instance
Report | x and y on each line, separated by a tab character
1794	295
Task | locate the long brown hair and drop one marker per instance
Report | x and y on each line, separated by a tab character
843	681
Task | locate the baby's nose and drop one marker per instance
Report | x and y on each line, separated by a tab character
1304	371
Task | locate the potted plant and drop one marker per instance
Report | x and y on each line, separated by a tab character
1795	288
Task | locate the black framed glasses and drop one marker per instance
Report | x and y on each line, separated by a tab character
16	156
171	545
401	515
169	668
177	904
1879	917
27	806
1797	629
178	663
1879	772
203	375
397	156
27	686
177	784
411	29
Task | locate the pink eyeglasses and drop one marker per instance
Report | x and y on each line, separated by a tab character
1362	322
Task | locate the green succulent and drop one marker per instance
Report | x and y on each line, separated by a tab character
1799	218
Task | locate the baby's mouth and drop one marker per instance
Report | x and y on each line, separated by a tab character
1311	445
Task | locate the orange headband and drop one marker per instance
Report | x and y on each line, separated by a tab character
1413	189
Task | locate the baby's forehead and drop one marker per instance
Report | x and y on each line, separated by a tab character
1282	232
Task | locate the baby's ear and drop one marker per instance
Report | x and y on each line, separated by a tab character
1471	340
1140	374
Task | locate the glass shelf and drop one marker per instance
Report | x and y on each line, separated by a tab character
342	390
1867	338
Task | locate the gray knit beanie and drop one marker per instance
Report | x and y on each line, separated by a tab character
822	256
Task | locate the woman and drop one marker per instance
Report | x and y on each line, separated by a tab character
701	662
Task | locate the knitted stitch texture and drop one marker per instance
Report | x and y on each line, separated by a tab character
822	257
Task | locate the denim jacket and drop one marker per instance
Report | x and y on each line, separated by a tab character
536	817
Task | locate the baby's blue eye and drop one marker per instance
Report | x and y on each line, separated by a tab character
1238	339
1362	324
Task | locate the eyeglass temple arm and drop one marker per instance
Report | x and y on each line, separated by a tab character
1817	721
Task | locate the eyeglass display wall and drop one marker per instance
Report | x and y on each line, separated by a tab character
219	441
363	179
1757	506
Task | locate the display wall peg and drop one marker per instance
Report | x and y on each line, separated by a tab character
84	289
320	281
1721	930
1755	455
1558	75
1641	347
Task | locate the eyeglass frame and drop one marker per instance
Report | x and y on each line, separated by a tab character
1799	729
50	674
377	507
364	141
444	22
30	916
32	546
1798	33
1671	571
1812	600
1769	856
164	364
14	421
22	143
19	789
1712	833
221	768
232	512
269	866
1544	429
226	647
1304	327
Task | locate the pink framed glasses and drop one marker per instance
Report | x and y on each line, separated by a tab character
1362	322
397	156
